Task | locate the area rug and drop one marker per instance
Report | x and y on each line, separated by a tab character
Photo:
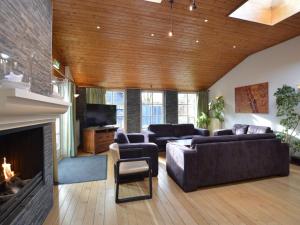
82	169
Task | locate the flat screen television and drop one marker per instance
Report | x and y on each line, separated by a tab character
100	115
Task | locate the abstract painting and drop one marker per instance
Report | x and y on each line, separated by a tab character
252	98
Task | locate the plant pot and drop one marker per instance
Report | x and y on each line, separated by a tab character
295	160
215	124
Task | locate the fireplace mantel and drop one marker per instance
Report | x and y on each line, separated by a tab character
20	108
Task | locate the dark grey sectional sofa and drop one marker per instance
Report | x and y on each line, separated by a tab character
224	159
160	134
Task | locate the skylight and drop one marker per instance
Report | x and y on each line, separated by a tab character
269	12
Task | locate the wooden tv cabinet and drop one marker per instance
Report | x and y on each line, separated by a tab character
98	139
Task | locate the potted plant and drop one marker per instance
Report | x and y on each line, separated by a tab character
216	108
287	103
203	120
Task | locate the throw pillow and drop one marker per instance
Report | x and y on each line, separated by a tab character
241	130
243	127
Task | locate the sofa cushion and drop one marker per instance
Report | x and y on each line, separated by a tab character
121	138
239	129
183	129
162	130
258	130
163	140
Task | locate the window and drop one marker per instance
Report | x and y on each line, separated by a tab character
152	108
116	97
187	108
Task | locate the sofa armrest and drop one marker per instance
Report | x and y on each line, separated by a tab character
136	138
201	131
182	166
136	150
149	136
223	132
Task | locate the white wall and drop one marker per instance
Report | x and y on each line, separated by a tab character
277	65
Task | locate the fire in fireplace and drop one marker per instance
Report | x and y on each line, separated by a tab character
8	173
22	169
9	183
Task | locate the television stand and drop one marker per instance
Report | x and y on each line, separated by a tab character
98	139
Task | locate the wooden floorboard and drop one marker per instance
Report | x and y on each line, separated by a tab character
274	201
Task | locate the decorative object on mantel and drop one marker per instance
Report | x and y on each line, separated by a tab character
12	75
252	98
13	80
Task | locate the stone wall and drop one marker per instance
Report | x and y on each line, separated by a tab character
26	29
133	110
171	102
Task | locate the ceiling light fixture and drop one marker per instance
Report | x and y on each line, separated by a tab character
170	34
98	27
152	35
234	46
155	1
193	5
197	41
206	20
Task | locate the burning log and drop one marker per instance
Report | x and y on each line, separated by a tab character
9	183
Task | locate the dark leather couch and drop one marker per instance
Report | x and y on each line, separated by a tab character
133	146
244	129
160	134
219	160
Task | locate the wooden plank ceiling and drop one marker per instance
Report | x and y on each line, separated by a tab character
124	54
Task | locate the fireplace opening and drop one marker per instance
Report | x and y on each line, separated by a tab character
21	168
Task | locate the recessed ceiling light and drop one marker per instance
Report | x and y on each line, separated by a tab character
170	33
152	35
197	41
98	27
234	46
206	20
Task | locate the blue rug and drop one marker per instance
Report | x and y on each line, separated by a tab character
82	169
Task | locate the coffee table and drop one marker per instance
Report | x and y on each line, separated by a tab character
183	142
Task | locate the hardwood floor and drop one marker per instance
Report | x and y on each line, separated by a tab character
269	201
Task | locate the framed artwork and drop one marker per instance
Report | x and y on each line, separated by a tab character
252	98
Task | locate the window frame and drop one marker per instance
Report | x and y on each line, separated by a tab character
141	106
125	105
187	106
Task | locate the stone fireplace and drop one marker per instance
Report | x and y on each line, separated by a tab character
29	151
26	131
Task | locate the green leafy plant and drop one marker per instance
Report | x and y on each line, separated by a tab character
203	120
287	101
216	107
295	145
